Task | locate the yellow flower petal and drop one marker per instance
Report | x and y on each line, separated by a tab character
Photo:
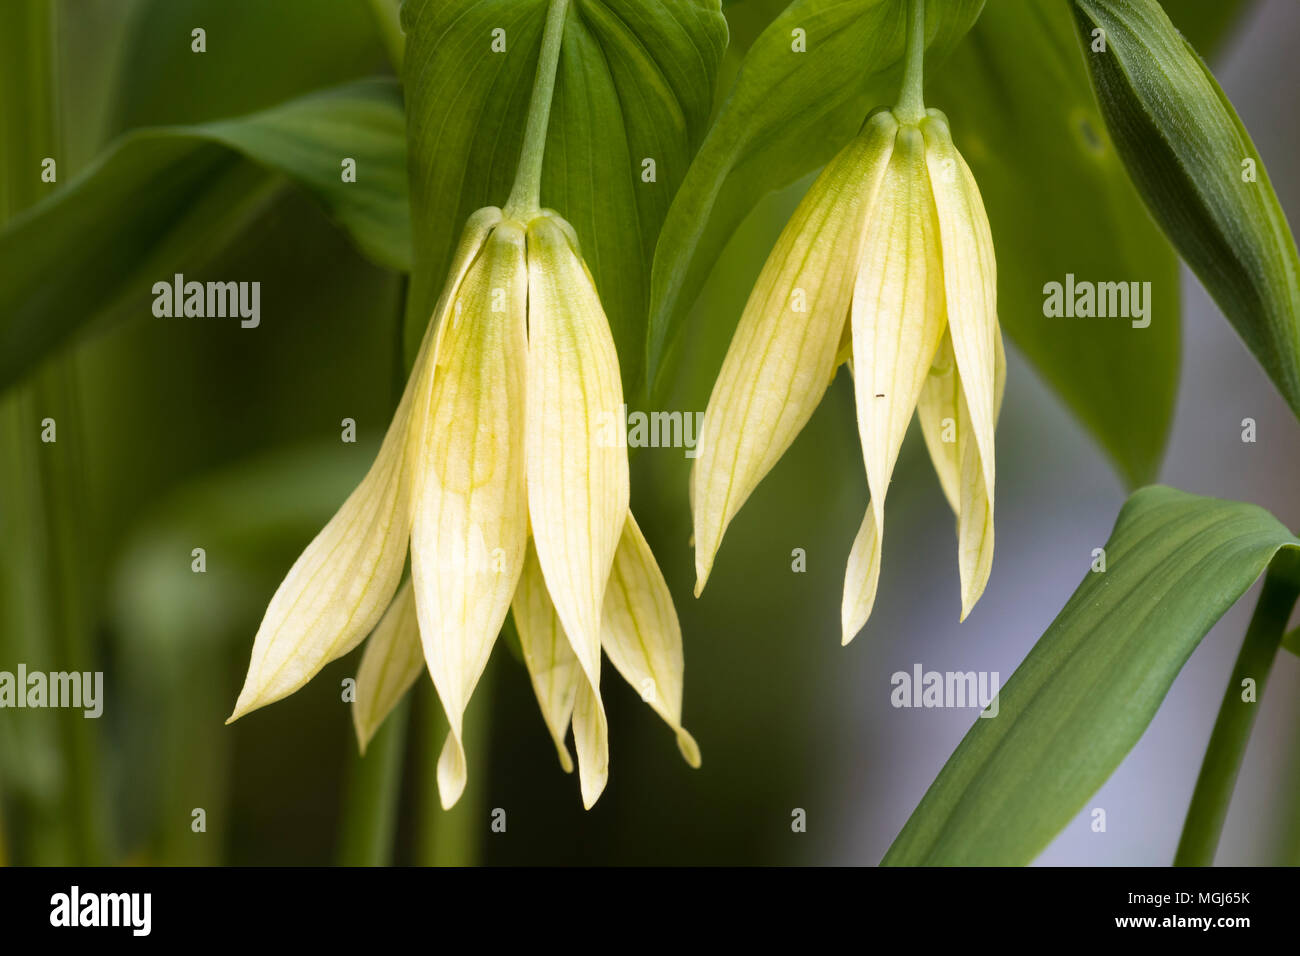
861	578
552	667
390	664
936	411
336	591
471	519
783	353
975	518
970	281
577	476
591	740
897	317
642	636
945	422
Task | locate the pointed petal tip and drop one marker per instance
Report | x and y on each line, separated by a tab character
592	789
566	759
244	707
689	748
701	576
364	734
453	773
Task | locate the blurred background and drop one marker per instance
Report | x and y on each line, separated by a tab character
180	435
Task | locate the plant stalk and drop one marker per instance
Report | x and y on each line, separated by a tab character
525	195
1227	747
911	100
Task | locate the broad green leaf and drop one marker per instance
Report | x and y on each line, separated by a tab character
257	53
804	89
1060	203
160	195
634	84
1087	691
1199	173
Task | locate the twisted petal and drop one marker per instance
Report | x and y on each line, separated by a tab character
970	282
642	636
553	669
784	350
861	578
946	424
591	739
391	662
577	473
336	591
898	319
471	521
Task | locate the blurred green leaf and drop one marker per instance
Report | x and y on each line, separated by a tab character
635	83
788	113
258	53
1060	202
177	629
1200	175
160	194
1087	691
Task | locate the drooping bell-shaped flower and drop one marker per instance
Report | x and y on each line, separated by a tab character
887	264
497	471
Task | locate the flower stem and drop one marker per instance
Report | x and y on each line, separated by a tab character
525	195
373	792
1227	745
911	100
47	613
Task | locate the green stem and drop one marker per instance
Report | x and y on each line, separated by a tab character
911	100
374	789
374	782
47	482
525	196
1231	734
454	837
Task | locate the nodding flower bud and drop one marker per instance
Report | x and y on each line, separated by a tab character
887	264
497	471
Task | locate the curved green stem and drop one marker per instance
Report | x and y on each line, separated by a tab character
1227	745
911	100
525	195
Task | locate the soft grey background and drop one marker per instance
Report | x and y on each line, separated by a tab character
1054	507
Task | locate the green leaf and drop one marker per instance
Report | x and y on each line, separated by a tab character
1199	174
787	114
1060	203
1083	697
160	198
635	82
257	54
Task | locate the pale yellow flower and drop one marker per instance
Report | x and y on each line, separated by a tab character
887	264
494	470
